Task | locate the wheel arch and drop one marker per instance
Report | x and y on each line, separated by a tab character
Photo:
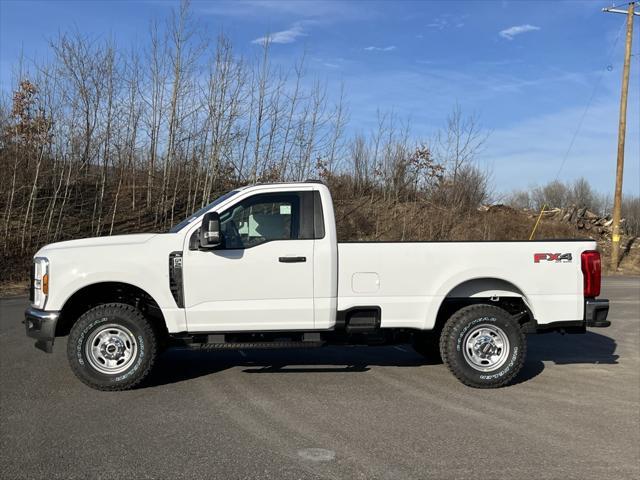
485	290
485	287
99	293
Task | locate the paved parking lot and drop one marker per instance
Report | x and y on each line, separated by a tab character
330	413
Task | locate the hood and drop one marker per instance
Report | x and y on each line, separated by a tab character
114	240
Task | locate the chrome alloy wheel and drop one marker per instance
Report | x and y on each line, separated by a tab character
486	347
111	349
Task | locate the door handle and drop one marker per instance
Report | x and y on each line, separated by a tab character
292	259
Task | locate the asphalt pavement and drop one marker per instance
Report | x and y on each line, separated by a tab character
352	412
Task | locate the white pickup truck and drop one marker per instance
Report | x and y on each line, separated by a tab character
261	267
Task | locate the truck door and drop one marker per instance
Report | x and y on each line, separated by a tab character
261	277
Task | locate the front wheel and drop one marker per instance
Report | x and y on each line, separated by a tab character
112	347
483	346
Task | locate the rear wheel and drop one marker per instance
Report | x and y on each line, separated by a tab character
483	346
112	347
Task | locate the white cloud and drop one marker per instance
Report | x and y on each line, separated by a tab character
327	11
511	32
380	49
285	36
437	23
447	20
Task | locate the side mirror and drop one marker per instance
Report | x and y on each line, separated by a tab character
210	230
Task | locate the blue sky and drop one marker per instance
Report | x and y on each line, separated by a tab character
528	69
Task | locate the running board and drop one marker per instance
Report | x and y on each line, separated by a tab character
253	345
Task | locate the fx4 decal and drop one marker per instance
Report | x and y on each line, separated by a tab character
552	257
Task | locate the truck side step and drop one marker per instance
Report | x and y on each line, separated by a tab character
253	345
362	320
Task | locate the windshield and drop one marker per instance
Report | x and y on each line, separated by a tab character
202	211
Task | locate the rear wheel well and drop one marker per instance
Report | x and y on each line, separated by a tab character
514	305
109	292
485	290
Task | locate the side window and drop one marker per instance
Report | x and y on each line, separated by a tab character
260	219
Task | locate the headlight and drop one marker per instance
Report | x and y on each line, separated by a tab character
40	282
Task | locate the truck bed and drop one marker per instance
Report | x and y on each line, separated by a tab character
409	280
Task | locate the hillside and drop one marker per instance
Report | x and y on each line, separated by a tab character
367	219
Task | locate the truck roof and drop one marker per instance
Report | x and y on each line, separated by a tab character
303	182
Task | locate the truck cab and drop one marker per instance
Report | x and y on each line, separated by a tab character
271	267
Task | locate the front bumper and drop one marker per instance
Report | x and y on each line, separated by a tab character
41	325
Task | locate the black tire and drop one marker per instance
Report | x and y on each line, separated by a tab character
470	342
117	332
427	344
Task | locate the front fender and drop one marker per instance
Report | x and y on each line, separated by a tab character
145	266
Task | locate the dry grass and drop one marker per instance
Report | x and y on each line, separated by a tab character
14	289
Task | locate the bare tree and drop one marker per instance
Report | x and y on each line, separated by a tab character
102	141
